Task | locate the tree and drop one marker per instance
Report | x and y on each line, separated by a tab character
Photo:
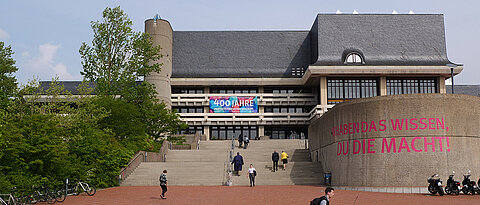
119	56
8	83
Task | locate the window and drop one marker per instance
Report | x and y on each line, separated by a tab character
353	58
286	132
397	86
298	72
187	90
340	90
287	109
233	91
192	130
277	90
188	109
222	132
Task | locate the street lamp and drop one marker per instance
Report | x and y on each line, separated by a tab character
452	66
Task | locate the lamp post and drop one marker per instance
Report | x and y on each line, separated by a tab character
452	66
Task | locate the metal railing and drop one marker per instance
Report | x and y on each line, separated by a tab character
131	166
143	156
228	172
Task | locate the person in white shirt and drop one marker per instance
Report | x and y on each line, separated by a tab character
251	175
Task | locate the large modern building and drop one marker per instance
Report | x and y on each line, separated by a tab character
280	84
291	77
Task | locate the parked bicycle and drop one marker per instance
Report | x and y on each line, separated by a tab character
42	194
79	187
14	199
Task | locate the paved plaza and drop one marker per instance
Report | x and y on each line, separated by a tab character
261	195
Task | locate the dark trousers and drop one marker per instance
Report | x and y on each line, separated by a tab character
164	189
245	145
275	165
252	179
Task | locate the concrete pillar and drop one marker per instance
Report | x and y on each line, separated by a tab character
441	85
323	90
383	85
206	131
261	131
162	34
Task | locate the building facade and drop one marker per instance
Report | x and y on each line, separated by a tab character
293	77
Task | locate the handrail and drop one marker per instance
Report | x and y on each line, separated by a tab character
137	160
127	170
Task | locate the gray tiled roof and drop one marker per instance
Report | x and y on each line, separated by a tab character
465	89
383	39
70	86
239	53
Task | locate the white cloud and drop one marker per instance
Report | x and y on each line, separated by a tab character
44	65
3	34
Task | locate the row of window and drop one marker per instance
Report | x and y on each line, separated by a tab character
410	86
339	90
192	130
287	109
233	90
288	90
267	109
233	132
188	109
297	132
246	90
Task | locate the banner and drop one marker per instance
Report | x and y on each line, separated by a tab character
233	104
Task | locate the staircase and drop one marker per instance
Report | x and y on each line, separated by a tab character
207	166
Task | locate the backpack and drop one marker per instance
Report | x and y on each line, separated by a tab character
316	201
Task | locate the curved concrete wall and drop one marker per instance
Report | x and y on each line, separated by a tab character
162	34
398	140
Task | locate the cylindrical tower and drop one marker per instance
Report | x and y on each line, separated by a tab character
162	34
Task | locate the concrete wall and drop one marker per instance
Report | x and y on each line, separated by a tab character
440	133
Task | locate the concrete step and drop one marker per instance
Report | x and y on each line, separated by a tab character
207	166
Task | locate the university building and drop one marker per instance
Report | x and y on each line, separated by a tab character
295	76
367	91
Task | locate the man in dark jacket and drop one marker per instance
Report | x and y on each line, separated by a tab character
237	163
240	140
275	158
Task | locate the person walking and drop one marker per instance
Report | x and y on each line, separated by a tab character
275	158
245	143
163	183
324	200
252	173
237	163
240	140
284	159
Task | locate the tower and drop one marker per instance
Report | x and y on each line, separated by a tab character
162	34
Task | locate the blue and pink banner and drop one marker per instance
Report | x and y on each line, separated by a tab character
233	104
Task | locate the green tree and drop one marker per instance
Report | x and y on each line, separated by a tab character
8	83
119	57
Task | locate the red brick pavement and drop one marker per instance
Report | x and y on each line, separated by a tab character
261	195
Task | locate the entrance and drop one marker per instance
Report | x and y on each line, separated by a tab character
229	132
282	132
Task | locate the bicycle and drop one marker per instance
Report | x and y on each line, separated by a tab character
80	186
42	194
13	200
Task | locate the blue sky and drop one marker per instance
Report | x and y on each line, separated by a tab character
46	35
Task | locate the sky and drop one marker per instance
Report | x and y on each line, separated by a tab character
46	35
